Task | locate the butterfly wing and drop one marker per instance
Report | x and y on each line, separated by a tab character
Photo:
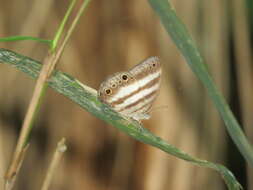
132	93
148	76
116	89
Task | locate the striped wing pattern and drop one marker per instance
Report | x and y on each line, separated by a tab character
132	93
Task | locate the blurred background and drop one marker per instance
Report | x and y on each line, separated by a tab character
113	36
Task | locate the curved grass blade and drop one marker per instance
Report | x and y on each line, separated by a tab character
179	34
86	97
19	38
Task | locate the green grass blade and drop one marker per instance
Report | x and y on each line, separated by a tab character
62	25
86	97
19	38
184	42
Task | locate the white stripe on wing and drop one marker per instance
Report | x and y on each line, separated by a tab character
126	90
136	97
144	103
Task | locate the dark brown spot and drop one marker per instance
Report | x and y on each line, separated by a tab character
108	91
113	85
124	77
154	64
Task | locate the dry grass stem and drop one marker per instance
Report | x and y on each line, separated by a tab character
61	148
28	121
40	88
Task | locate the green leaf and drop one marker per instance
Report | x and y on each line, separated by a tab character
60	30
179	34
86	97
18	38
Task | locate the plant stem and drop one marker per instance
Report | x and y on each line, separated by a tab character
60	149
39	91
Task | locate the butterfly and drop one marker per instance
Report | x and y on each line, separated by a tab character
133	92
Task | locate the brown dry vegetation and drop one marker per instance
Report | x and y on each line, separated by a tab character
113	36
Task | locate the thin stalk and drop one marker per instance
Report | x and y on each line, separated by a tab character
39	91
19	38
59	32
60	149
